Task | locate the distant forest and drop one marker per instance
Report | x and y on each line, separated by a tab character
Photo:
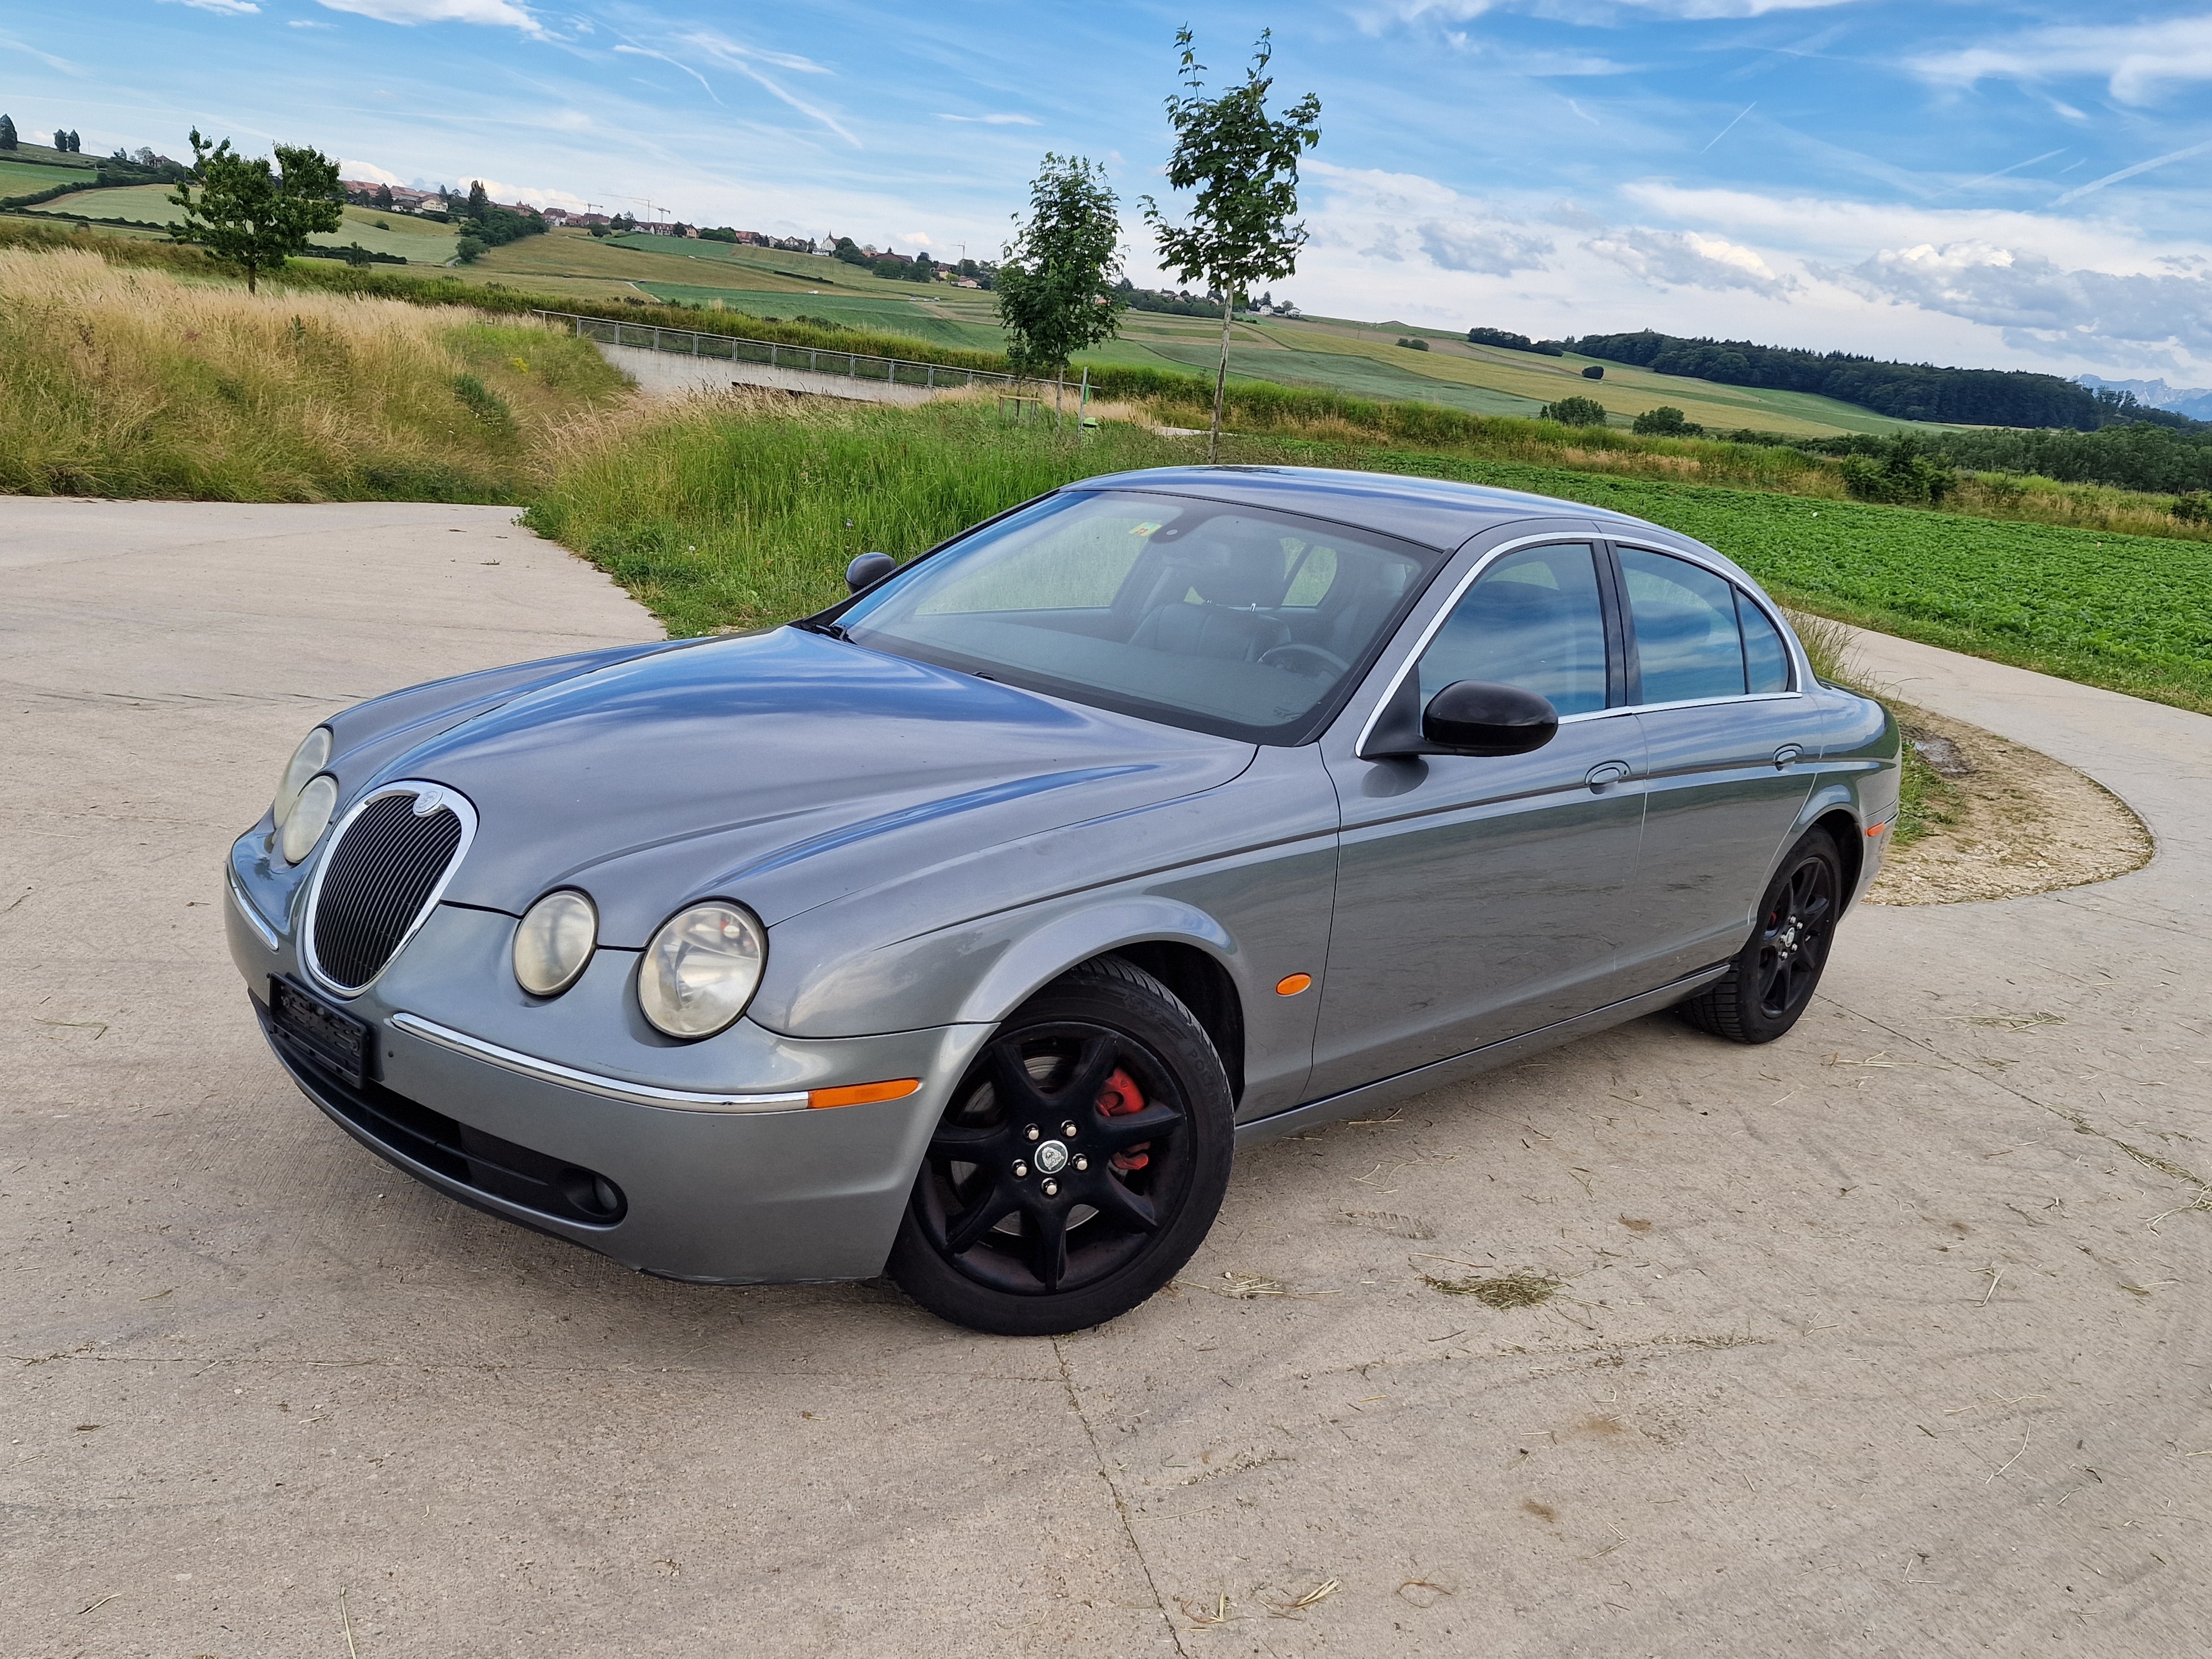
1906	392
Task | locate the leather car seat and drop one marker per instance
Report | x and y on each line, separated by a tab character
1226	624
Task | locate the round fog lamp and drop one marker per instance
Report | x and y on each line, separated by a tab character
702	969
553	943
309	816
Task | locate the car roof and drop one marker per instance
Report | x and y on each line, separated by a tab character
1433	512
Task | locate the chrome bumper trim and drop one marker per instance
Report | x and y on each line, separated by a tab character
262	930
546	1071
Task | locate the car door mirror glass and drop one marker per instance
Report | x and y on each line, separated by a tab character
1478	717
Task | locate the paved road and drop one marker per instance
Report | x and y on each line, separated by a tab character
1872	1341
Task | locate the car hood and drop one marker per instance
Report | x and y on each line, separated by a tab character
783	769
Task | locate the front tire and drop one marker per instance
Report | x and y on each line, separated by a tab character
1019	1227
1772	979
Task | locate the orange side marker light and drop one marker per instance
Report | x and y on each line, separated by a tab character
1292	985
862	1094
1876	828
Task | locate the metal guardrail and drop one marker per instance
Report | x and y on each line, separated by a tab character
774	354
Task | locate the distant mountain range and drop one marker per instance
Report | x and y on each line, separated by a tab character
2195	401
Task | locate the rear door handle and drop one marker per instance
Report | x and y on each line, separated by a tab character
1607	773
1788	755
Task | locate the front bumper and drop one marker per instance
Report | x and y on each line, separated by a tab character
721	1197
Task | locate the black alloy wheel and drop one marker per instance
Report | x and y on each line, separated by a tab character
1078	1165
1772	979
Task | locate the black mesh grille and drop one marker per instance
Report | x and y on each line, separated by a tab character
380	874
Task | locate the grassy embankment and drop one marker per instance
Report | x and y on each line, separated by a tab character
722	517
122	381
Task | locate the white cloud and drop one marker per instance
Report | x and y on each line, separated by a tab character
307	23
1399	216
1684	259
2035	300
747	60
2138	61
367	173
227	8
995	120
492	14
1688	10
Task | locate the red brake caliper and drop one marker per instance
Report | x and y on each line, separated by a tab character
1120	1098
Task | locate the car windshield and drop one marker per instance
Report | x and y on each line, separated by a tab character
1234	620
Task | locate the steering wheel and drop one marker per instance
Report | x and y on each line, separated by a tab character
1309	660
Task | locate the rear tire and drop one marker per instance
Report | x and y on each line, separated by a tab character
1772	979
1016	1226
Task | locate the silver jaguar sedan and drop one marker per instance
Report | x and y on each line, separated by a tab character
966	929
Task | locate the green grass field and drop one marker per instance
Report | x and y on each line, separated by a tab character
721	520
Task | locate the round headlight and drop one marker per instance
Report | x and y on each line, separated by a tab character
309	758
702	968
309	816
553	942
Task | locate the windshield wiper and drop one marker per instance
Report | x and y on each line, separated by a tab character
833	630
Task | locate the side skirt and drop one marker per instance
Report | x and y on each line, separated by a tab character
1438	1073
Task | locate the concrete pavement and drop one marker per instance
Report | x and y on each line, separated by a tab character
1889	1339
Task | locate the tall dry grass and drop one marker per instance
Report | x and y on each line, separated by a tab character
116	380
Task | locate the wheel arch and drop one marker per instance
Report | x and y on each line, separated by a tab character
1183	947
1843	827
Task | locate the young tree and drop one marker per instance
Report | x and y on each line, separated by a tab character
8	139
246	212
1055	290
1244	163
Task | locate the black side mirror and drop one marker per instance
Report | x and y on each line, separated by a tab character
867	570
1474	717
1468	717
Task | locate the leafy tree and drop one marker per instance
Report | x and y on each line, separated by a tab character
1665	421
1575	411
7	140
384	197
61	141
77	144
849	252
1244	163
1595	372
1056	293
479	200
469	249
1414	343
247	213
2195	507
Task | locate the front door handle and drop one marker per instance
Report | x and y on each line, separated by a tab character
1606	774
1788	755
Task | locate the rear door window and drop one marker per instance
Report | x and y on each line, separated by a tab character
1689	641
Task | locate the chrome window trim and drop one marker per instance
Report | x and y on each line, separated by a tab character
253	918
453	799
1411	660
567	1076
1800	666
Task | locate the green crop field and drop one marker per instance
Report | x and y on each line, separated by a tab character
149	203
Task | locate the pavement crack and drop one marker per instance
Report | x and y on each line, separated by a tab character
2080	1121
1114	1491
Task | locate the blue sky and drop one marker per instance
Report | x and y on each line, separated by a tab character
2011	185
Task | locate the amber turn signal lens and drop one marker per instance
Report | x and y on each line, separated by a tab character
1293	985
1876	828
862	1094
